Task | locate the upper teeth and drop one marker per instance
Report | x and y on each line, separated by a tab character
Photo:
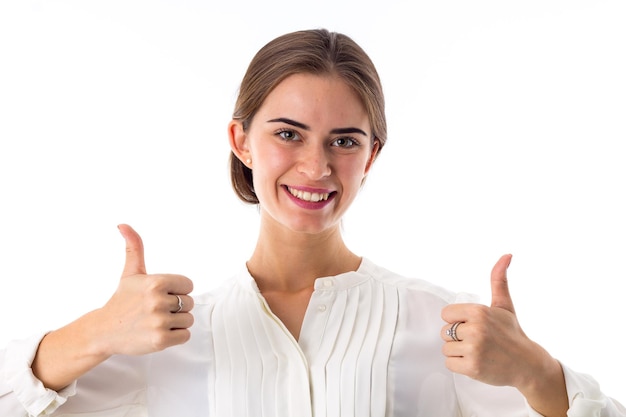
308	196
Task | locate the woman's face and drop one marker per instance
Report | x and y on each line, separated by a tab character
310	148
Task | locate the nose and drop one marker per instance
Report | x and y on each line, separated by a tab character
314	163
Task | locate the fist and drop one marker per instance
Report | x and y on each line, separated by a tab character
147	313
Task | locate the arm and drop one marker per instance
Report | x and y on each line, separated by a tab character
116	385
137	320
141	317
493	349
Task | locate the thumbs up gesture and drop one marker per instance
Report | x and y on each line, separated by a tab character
487	342
147	313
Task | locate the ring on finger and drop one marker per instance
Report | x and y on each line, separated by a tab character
180	304
452	331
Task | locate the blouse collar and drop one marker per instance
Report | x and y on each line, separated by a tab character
329	283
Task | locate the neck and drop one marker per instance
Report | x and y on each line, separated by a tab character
284	260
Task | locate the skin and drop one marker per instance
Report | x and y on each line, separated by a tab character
311	134
137	319
494	349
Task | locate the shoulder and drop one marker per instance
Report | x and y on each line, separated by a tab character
212	296
240	285
412	285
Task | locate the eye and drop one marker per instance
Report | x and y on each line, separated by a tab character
287	135
345	142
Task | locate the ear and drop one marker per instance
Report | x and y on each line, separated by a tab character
373	155
238	142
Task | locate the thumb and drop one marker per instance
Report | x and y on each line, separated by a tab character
500	296
135	263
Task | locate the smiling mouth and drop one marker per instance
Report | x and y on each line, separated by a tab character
307	195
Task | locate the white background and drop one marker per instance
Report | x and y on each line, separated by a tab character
506	135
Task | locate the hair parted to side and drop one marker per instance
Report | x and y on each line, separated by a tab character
316	51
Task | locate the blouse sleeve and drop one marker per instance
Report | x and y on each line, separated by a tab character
586	399
21	393
115	388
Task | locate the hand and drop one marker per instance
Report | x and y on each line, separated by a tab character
492	347
143	315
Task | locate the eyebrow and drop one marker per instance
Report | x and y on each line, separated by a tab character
339	130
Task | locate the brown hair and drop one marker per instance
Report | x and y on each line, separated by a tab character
316	51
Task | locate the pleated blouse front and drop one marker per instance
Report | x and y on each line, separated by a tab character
369	346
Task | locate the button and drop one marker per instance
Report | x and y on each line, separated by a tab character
321	308
328	283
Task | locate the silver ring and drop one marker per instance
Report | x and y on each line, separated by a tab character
452	331
180	304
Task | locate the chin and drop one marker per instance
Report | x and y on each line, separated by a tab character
312	227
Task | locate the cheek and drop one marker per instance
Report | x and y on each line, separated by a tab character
270	160
352	173
268	163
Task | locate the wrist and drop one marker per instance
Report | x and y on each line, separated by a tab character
543	386
67	353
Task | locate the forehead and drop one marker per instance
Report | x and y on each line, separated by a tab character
316	98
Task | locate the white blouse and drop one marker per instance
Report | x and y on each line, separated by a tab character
369	346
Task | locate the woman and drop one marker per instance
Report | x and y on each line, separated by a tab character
307	327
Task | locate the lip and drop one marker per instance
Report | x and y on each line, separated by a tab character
310	205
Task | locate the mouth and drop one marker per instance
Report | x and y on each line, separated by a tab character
309	196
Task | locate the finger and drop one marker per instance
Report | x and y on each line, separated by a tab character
457	364
460	312
174	284
500	296
135	262
454	349
181	321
